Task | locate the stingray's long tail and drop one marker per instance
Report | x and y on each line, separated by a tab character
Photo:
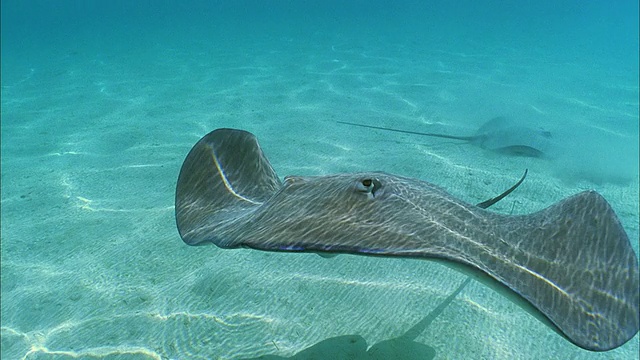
464	138
225	175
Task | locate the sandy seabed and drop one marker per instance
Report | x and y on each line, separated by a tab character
92	143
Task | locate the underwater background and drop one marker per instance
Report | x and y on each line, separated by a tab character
101	102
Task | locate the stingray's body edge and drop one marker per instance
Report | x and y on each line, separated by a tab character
463	263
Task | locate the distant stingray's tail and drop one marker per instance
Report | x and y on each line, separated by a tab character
224	176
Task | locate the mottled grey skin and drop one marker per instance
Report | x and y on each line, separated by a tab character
572	261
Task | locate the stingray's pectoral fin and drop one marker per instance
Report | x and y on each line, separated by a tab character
225	176
574	262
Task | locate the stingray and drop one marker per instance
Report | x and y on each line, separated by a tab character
572	262
498	134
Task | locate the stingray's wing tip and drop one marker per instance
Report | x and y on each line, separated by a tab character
597	306
224	176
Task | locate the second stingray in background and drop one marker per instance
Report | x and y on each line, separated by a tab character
498	134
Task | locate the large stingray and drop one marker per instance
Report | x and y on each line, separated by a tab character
572	261
498	134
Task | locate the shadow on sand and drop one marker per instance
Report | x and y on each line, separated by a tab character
354	347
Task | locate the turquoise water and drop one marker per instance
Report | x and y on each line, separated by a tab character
102	101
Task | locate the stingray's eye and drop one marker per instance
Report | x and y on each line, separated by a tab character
368	186
289	179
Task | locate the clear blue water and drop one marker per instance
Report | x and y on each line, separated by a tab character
101	101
